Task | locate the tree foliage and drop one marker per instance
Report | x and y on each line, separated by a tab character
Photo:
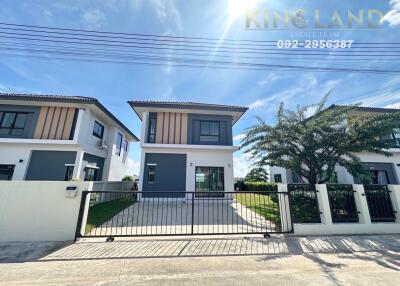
258	174
313	146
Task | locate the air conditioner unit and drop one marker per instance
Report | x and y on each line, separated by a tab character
102	144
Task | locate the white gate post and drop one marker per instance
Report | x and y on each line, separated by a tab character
361	204
395	198
284	208
323	204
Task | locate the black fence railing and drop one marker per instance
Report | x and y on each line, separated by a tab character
113	214
379	203
342	203
304	203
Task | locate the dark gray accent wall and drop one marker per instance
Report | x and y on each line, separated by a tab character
194	129
388	167
33	115
90	160
170	173
49	165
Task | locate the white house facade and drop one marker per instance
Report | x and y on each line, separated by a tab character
186	147
382	169
57	138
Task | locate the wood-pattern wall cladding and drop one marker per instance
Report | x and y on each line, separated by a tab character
171	128
55	123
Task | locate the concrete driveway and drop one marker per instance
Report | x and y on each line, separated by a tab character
157	217
356	260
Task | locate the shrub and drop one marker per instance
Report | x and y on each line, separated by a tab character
261	187
127	179
240	186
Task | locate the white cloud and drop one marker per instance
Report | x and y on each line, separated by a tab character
132	167
242	165
393	16
394	105
304	84
167	12
239	137
270	78
94	18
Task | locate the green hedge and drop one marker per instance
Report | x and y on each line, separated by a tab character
256	186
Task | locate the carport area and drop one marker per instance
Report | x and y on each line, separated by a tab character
280	260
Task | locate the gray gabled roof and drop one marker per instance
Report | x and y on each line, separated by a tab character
186	105
66	99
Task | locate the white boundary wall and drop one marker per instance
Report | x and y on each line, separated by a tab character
39	211
365	226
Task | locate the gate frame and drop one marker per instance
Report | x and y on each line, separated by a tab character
286	221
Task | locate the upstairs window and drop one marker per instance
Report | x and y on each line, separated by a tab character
12	123
118	143
126	145
151	137
98	130
209	131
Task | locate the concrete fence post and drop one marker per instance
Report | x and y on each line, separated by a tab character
284	208
395	198
361	204
323	203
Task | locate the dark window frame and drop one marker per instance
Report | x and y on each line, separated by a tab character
95	132
151	136
92	176
208	134
126	145
210	193
69	173
8	167
151	171
12	128
118	144
278	176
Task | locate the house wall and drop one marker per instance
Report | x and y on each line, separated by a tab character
39	211
206	157
13	153
183	128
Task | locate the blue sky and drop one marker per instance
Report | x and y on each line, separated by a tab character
261	90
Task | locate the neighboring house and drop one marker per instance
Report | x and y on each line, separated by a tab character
381	169
186	146
57	138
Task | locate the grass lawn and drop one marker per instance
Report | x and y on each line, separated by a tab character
100	213
261	204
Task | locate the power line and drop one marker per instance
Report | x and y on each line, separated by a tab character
164	36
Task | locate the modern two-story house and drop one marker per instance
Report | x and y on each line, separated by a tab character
186	147
381	169
57	138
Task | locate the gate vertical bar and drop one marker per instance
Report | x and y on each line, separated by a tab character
80	215
192	212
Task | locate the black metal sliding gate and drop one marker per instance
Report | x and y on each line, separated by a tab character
120	214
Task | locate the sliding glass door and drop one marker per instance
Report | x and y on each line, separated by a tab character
209	181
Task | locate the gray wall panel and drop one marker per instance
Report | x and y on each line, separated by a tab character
94	161
170	173
49	165
225	129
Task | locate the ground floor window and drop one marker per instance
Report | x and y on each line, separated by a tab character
69	173
278	178
209	181
6	172
378	177
90	174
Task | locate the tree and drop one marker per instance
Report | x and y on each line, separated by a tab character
313	146
258	174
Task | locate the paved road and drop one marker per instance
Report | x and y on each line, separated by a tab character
357	260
